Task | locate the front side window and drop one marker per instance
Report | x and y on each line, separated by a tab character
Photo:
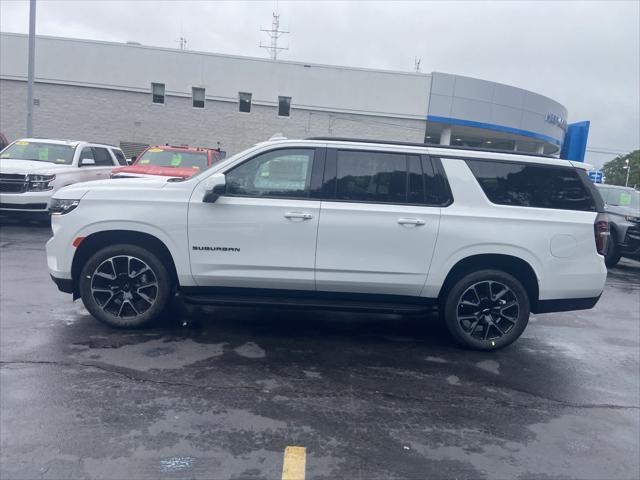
157	93
40	152
284	106
245	102
280	173
174	158
198	97
87	154
532	185
102	157
120	157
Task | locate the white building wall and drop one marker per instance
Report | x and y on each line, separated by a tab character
133	68
113	116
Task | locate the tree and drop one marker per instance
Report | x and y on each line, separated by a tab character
616	174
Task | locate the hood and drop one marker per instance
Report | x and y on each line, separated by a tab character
9	165
157	170
622	210
79	190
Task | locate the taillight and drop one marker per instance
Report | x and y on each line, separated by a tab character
601	232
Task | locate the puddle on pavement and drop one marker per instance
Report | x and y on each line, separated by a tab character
154	354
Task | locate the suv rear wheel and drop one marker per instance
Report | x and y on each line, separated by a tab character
125	286
486	310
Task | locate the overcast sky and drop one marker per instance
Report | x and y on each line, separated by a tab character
586	55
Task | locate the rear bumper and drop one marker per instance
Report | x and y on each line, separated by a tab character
565	304
64	284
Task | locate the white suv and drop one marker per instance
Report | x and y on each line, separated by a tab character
341	224
31	169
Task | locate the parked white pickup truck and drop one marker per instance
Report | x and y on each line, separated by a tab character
31	169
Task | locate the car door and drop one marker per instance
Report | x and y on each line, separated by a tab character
261	233
104	162
87	170
378	225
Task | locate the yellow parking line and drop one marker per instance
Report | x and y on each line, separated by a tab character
295	460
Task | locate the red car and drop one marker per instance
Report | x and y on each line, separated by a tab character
170	161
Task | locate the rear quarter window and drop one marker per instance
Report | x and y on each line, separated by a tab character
533	185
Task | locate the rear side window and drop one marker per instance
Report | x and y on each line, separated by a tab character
531	185
120	157
371	177
383	177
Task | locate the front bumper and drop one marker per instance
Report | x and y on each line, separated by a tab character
37	202
631	243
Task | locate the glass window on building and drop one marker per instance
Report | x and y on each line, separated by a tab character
284	106
198	97
157	92
244	102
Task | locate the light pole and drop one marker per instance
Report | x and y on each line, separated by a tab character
628	167
30	72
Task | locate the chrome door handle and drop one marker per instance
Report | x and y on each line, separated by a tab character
302	215
410	221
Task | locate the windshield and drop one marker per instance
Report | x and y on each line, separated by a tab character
39	152
172	158
624	198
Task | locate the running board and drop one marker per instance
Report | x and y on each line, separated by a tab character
309	303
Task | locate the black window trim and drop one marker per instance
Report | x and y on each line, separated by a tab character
328	190
316	170
584	180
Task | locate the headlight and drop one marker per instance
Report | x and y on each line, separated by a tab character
40	183
632	219
60	206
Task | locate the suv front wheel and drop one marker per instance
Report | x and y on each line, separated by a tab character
486	310
125	286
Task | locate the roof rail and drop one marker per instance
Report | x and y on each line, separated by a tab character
431	145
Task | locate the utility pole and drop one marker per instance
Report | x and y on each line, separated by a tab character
274	34
30	71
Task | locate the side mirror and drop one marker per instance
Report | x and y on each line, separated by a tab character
133	159
87	161
216	187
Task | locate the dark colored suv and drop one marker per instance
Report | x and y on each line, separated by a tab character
623	206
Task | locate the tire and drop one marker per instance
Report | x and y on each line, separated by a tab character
479	321
613	255
125	286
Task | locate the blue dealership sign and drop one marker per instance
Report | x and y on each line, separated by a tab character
596	176
575	141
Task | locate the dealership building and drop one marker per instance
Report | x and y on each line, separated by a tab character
134	95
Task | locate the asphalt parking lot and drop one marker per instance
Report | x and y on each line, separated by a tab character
221	393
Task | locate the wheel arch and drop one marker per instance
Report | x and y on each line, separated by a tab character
98	240
510	264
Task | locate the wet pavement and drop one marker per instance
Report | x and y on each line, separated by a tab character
369	396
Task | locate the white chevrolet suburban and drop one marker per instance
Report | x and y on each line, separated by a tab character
341	224
31	169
